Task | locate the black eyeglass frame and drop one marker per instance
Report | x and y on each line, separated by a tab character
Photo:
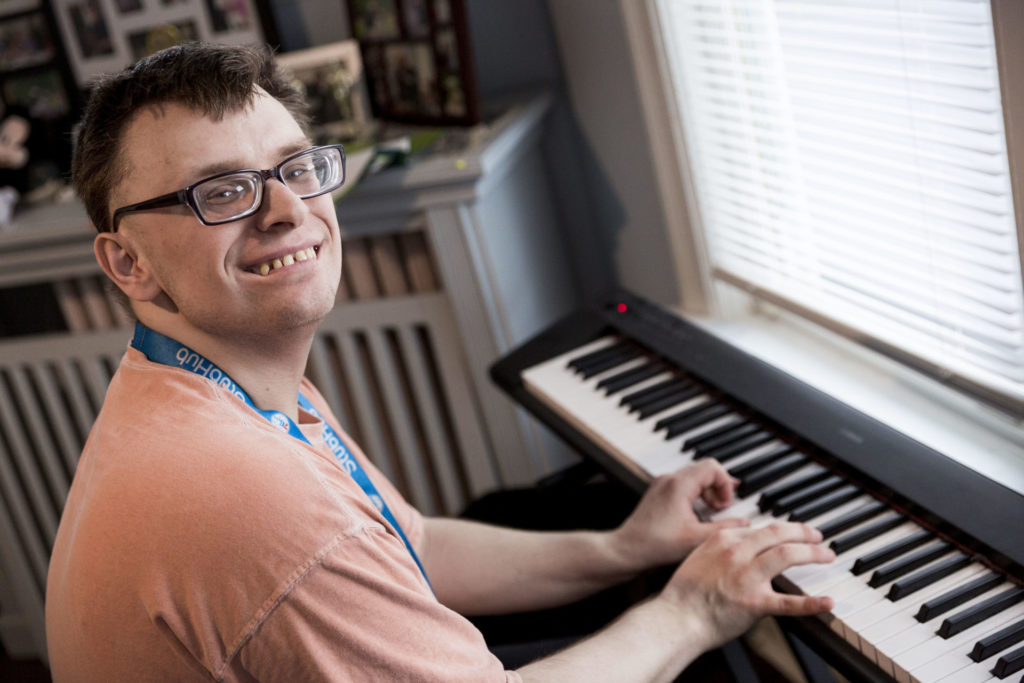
186	195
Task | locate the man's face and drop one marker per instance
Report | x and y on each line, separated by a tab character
210	275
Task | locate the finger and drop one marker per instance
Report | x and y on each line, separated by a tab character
797	605
715	484
779	558
706	530
757	541
721	493
726	523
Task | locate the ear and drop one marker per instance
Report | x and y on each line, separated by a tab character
119	259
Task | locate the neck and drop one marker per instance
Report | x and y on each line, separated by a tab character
269	368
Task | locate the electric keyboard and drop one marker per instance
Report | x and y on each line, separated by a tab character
930	554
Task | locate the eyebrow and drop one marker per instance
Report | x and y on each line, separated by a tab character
216	168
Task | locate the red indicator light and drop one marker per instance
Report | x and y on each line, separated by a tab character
621	308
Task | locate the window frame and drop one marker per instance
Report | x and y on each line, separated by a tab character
701	292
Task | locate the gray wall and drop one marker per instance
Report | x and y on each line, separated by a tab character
596	150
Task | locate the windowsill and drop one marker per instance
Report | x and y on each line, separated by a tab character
956	425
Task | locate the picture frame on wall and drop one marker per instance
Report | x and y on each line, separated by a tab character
331	78
25	41
102	36
38	100
417	59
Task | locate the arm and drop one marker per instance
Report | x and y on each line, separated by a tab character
480	569
714	596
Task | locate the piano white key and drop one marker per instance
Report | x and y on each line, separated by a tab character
747	507
593	412
880	591
976	672
880	623
884	608
818	579
905	663
889	650
957	661
650	450
852	602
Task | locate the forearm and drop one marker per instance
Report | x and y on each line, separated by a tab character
654	641
480	569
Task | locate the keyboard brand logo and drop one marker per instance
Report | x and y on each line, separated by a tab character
852	436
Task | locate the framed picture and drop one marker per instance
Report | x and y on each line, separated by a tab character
331	77
417	60
38	99
39	93
25	41
106	35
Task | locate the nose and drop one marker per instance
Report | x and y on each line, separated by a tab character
281	207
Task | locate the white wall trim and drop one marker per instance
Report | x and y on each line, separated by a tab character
667	146
1008	20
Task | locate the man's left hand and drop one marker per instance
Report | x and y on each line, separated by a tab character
664	527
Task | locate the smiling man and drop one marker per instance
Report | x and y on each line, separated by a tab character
222	526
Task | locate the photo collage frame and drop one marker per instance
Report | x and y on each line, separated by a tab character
106	35
331	78
417	60
38	98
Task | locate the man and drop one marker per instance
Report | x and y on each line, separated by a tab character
221	525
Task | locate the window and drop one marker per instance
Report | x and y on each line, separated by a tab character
849	163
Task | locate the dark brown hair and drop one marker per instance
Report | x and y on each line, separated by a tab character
209	79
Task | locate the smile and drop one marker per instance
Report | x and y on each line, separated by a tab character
266	268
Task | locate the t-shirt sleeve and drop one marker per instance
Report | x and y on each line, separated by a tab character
349	616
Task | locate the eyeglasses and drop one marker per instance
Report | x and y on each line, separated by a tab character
230	196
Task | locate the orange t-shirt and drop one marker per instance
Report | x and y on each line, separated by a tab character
199	541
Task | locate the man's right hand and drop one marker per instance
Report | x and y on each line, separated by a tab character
727	579
721	589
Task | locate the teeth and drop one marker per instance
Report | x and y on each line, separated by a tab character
286	260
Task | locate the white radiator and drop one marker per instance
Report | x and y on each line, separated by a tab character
391	368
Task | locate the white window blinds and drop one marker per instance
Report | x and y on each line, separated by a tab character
850	162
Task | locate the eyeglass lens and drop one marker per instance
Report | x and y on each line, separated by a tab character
228	197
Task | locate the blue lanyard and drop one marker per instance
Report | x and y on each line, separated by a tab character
166	351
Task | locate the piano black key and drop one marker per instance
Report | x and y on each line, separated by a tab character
961	621
720	436
905	565
828	502
769	497
852	519
998	641
654	391
669	400
927	577
581	362
893	550
771	473
865	534
958	596
731	450
1009	664
794	500
688	413
628	378
752	465
613	360
719	410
